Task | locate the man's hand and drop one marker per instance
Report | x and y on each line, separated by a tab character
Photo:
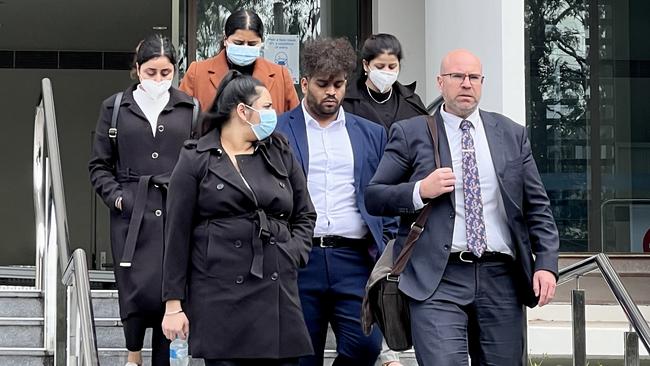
544	286
440	181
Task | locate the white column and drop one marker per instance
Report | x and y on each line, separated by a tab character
494	31
405	20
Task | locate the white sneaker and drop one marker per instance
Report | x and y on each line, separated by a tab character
131	364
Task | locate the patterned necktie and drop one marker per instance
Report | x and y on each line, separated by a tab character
474	223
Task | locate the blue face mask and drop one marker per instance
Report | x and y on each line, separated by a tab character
268	121
242	55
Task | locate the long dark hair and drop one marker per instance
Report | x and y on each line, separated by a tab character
154	45
243	19
380	43
235	88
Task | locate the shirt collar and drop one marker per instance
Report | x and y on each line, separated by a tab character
311	121
453	122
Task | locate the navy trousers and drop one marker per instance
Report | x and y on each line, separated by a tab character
331	291
474	311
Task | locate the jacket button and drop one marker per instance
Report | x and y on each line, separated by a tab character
452	214
445	247
154	155
272	241
220	186
161	128
156	186
239	280
237	243
158	213
274	276
282	185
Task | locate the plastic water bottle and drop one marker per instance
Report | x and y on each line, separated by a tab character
178	353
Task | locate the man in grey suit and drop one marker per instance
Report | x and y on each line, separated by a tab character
490	244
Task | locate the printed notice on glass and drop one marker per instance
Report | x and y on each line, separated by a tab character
284	49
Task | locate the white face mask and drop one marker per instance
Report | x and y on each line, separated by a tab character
155	89
383	80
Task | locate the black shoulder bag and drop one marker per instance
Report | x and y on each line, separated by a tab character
112	131
384	303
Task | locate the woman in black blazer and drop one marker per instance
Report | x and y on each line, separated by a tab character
240	224
132	159
377	95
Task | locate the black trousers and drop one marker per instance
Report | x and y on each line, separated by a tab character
253	362
134	329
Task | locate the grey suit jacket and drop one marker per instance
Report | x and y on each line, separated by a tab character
409	157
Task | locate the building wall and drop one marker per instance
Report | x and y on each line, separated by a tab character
405	20
494	30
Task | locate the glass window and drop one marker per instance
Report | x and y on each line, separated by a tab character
306	19
587	90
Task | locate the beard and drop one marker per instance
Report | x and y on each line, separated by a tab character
321	109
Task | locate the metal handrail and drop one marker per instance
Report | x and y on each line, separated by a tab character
76	276
58	195
53	250
601	262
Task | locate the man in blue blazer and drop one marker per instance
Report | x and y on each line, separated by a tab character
490	244
339	153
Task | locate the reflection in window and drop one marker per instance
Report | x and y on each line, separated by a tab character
300	17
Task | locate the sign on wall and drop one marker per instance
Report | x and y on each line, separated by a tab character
284	49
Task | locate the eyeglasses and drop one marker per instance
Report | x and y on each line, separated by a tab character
474	79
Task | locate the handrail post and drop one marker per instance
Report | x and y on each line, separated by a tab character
631	356
82	340
578	327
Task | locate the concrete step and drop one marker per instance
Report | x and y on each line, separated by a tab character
110	333
117	357
21	332
21	303
110	336
25	357
105	304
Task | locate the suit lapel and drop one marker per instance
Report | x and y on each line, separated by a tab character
494	136
218	68
445	152
299	135
357	148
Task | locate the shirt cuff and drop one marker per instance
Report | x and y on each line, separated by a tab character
417	200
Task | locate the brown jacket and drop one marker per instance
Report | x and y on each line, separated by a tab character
203	77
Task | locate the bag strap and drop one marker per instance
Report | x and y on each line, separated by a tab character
195	119
112	131
418	226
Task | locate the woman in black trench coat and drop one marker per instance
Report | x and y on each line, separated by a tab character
130	169
240	224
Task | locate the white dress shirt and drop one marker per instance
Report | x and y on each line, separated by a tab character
149	106
330	179
494	213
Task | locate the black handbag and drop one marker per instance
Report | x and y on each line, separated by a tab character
384	303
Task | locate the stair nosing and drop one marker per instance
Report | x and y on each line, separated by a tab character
21	293
4	321
24	351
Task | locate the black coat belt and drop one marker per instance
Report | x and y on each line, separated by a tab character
263	237
139	205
